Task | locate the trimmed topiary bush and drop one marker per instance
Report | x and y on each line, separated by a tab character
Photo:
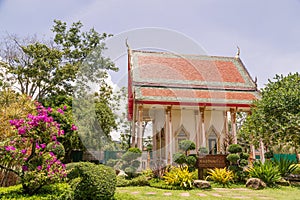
244	155
187	145
235	148
93	181
233	158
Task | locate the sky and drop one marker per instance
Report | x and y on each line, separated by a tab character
267	32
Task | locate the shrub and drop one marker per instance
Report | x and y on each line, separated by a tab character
179	176
297	170
244	156
269	154
187	145
267	172
235	148
221	176
179	158
285	166
233	158
94	181
243	162
141	180
57	148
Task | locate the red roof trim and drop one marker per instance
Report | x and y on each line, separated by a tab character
192	86
192	104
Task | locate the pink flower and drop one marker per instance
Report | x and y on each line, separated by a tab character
65	108
37	146
74	128
54	138
23	151
60	132
39	168
49	109
22	130
24	168
51	154
60	111
43	146
10	148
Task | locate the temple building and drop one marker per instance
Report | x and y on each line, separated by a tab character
194	97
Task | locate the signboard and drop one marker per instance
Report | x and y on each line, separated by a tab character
210	161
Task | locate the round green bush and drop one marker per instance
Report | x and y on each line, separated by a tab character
130	156
135	150
93	181
244	156
191	160
233	158
187	145
243	162
235	148
135	163
179	158
57	148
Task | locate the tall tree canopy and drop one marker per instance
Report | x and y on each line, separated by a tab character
276	116
63	70
39	69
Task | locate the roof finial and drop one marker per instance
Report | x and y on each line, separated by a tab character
238	52
127	45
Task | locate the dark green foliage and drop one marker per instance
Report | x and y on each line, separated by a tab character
235	148
179	158
233	158
238	160
285	166
267	172
275	117
243	162
135	150
140	180
57	148
269	154
93	181
187	145
244	155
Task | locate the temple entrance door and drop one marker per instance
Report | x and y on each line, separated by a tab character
212	146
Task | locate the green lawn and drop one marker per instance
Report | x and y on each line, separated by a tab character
149	193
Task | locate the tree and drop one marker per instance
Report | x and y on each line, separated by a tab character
38	69
275	117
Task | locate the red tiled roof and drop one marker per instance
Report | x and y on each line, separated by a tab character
165	69
191	70
192	79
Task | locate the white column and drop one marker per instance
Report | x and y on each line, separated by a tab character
197	130
203	138
170	146
252	152
233	125
262	150
140	129
167	136
154	142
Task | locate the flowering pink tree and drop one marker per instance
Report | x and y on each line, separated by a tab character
26	153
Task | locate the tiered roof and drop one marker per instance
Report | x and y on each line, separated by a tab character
167	78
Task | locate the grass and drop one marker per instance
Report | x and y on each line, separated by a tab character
149	193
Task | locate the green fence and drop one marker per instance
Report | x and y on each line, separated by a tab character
291	157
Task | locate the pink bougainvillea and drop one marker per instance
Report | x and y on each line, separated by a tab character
27	150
